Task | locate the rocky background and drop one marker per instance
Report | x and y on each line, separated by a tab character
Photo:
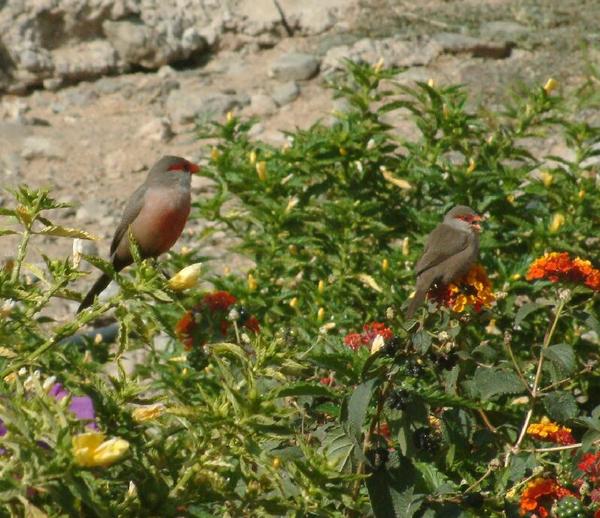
93	92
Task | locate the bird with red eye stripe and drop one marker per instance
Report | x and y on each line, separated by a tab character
450	251
156	214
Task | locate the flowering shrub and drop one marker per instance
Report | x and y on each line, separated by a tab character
485	405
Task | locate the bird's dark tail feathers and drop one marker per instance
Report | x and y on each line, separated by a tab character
99	286
415	302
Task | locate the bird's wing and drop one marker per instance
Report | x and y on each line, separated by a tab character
442	243
132	209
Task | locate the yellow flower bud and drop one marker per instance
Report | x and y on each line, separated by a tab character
515	276
547	178
445	111
185	372
293	201
550	85
229	116
406	247
321	286
430	82
252	157
511	199
385	264
148	412
472	165
293	249
252	284
261	170
185	278
214	154
343	151
581	194
377	67
557	222
321	314
91	450
276	463
294	303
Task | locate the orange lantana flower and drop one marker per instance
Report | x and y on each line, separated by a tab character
558	266
539	495
546	430
473	289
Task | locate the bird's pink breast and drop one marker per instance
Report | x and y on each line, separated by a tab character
161	221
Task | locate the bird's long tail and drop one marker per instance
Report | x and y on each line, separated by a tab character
415	302
99	286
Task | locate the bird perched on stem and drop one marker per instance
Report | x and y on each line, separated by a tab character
450	251
156	214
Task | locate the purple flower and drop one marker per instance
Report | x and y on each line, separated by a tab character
81	406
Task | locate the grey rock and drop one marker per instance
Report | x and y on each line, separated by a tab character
41	147
78	96
109	85
157	130
11	167
505	30
454	43
262	105
53	83
394	51
90	211
294	67
86	60
189	104
285	93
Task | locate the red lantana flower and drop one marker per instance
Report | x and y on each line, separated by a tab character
208	320
539	495
370	332
559	267
546	430
473	289
590	465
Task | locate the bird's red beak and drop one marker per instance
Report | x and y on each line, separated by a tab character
475	222
194	168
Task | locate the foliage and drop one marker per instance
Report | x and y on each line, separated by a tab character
338	406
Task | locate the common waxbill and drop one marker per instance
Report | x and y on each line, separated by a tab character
450	251
156	213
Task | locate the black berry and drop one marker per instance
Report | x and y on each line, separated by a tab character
426	440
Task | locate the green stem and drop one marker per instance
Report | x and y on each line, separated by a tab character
21	251
536	381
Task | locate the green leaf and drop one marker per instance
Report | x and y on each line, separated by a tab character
387	502
358	404
338	448
434	479
525	310
561	406
492	382
57	230
563	356
7	232
304	389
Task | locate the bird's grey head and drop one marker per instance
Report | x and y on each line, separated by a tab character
169	169
463	217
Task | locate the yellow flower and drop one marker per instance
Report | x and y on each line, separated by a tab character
294	303
558	221
148	412
252	284
546	178
91	450
321	314
185	278
377	67
515	276
229	116
321	286
261	170
214	154
581	194
252	157
276	463
343	151
472	165
405	247
430	82
293	249
550	85
385	264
